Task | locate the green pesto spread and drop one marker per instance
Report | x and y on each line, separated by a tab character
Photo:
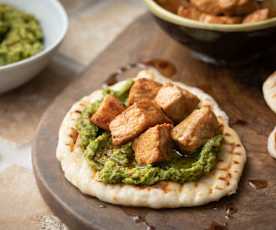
116	164
21	35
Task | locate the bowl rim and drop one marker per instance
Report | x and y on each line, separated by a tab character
63	13
166	15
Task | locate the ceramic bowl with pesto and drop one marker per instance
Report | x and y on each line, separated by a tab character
219	44
30	33
150	142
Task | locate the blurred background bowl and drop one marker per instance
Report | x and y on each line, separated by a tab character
230	45
54	22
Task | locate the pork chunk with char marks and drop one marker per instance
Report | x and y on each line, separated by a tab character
225	7
135	120
196	129
143	89
153	145
193	13
189	12
177	103
171	5
108	110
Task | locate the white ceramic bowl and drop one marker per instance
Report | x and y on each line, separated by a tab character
54	21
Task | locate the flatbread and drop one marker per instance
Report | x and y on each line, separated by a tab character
271	143
222	181
269	91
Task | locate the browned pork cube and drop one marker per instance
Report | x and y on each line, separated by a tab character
257	16
189	12
177	103
228	7
196	130
171	5
108	110
143	89
243	7
153	145
135	120
195	14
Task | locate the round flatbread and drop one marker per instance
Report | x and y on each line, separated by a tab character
269	91
222	181
271	143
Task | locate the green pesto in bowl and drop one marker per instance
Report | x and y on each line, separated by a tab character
21	35
116	164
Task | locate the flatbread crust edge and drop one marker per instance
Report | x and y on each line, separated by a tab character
269	91
271	143
220	182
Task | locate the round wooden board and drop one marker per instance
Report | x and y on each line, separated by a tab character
239	94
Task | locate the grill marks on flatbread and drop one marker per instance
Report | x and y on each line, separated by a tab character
269	91
222	181
73	137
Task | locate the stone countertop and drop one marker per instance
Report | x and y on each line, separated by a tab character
93	25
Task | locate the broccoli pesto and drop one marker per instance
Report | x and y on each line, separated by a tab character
177	169
116	164
21	35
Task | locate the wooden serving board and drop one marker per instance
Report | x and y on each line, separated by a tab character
239	94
